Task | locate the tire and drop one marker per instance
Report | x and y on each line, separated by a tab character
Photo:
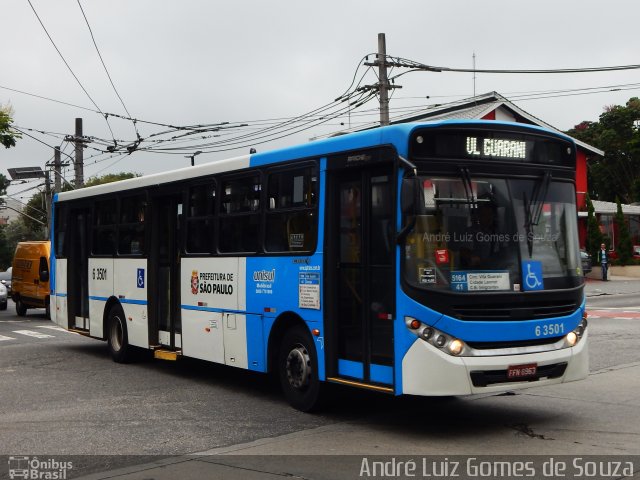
117	339
21	309
47	309
3	306
298	370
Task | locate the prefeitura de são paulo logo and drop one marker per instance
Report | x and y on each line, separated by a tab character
194	282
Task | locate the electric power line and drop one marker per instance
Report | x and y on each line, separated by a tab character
67	64
105	66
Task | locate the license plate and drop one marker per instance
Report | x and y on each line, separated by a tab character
522	371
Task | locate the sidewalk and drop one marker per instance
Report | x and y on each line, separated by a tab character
616	285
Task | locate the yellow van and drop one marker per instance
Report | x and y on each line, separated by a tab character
30	283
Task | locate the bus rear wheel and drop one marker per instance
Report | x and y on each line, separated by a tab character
298	370
117	339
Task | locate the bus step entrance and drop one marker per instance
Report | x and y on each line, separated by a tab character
79	331
171	355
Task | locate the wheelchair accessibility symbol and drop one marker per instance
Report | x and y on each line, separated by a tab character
140	278
532	273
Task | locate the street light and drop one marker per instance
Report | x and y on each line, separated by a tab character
192	157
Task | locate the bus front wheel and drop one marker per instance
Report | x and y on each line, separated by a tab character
117	339
298	370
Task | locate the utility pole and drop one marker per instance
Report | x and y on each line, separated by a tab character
474	74
383	84
384	81
57	174
47	198
79	163
57	167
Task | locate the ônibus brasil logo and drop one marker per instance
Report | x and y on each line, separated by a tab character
35	468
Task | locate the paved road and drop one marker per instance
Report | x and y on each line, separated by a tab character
67	386
61	394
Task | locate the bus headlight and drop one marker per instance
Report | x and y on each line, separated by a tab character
435	337
456	346
572	338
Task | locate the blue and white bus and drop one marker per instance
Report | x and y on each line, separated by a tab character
425	259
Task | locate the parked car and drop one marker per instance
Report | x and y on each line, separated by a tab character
613	254
3	297
587	264
5	279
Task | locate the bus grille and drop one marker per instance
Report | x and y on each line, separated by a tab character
504	312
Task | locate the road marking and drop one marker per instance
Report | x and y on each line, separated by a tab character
53	327
619	314
3	338
615	309
31	333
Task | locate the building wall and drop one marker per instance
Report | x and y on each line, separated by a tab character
581	179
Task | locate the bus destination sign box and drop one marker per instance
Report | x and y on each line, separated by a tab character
494	145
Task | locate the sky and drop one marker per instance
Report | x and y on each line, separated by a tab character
258	63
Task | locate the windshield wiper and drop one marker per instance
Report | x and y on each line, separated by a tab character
468	188
533	209
538	198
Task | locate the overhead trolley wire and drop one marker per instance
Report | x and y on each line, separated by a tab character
68	66
105	67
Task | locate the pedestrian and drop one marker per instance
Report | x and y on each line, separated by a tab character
604	261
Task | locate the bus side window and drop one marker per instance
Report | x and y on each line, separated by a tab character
200	219
60	231
240	214
131	227
291	220
104	228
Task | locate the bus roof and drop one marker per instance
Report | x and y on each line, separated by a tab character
395	135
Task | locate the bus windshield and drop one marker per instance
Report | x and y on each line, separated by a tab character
493	234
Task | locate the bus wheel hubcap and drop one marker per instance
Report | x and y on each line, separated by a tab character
298	367
116	334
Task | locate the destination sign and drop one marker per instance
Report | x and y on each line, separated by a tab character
493	145
496	147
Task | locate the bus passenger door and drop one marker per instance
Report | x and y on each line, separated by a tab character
360	276
78	268
165	326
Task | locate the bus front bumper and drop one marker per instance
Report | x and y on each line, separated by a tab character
428	371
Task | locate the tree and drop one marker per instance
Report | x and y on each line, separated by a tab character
594	235
8	136
617	133
6	255
110	177
624	246
10	235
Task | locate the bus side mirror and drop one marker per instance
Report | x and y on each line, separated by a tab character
44	276
409	199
